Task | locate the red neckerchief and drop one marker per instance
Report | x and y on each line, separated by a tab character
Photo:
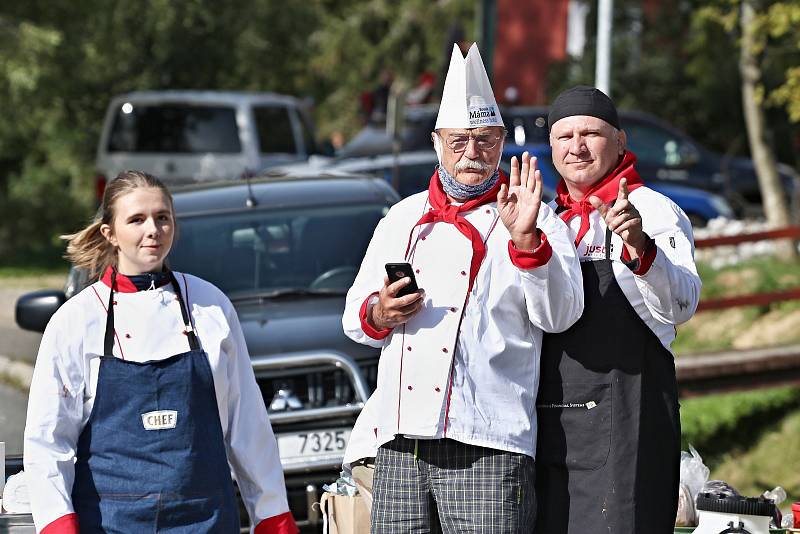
444	211
124	284
606	190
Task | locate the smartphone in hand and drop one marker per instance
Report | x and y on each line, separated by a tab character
397	271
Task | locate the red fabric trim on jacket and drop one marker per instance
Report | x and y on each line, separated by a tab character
368	328
277	524
124	284
66	524
645	261
450	384
444	211
527	259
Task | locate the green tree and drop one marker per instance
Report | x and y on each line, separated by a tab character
675	60
42	177
61	62
773	196
363	41
761	30
680	60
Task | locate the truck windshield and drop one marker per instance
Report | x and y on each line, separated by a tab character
162	128
273	253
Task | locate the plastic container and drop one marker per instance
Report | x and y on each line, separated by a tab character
690	530
718	513
796	514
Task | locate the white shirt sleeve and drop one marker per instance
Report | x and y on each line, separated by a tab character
671	286
368	281
252	447
54	420
554	291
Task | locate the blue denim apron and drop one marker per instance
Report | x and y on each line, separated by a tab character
152	456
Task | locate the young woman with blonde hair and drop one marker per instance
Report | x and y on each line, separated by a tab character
143	399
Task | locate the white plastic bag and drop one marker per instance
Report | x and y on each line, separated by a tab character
694	475
694	472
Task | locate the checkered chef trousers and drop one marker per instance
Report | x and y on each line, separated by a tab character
447	486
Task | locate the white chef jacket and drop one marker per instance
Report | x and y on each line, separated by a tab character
667	292
486	395
149	326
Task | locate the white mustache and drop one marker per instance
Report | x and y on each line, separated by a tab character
471	164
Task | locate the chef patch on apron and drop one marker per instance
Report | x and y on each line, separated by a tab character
160	420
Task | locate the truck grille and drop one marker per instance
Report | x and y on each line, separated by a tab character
314	388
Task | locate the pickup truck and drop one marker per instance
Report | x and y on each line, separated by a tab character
194	136
285	251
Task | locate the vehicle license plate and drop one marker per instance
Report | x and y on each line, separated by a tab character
328	442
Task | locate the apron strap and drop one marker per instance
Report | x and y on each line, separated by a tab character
194	344
608	237
108	342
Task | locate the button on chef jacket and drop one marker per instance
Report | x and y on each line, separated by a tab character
462	368
148	327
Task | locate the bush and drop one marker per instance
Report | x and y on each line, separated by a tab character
715	424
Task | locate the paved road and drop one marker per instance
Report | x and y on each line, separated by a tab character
13	405
17	344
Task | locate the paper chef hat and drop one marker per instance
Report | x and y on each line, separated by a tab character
467	98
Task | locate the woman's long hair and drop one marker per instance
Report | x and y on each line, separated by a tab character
88	248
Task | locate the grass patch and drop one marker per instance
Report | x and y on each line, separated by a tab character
773	460
743	327
18	279
715	423
787	306
749	439
33	272
714	330
757	275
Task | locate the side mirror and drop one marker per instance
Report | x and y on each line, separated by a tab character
33	310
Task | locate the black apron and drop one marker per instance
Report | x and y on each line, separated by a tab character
608	449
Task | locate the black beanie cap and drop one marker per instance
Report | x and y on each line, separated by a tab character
583	100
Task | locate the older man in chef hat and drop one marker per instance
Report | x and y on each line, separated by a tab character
452	423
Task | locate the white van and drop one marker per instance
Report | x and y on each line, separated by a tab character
190	136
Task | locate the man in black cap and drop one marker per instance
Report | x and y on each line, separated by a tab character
608	446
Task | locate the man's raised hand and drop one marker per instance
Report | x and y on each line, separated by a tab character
623	219
519	202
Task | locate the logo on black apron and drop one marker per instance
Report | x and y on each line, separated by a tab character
160	420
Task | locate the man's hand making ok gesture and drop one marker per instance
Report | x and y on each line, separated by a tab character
623	219
519	202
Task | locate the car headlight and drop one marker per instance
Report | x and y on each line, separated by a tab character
721	206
